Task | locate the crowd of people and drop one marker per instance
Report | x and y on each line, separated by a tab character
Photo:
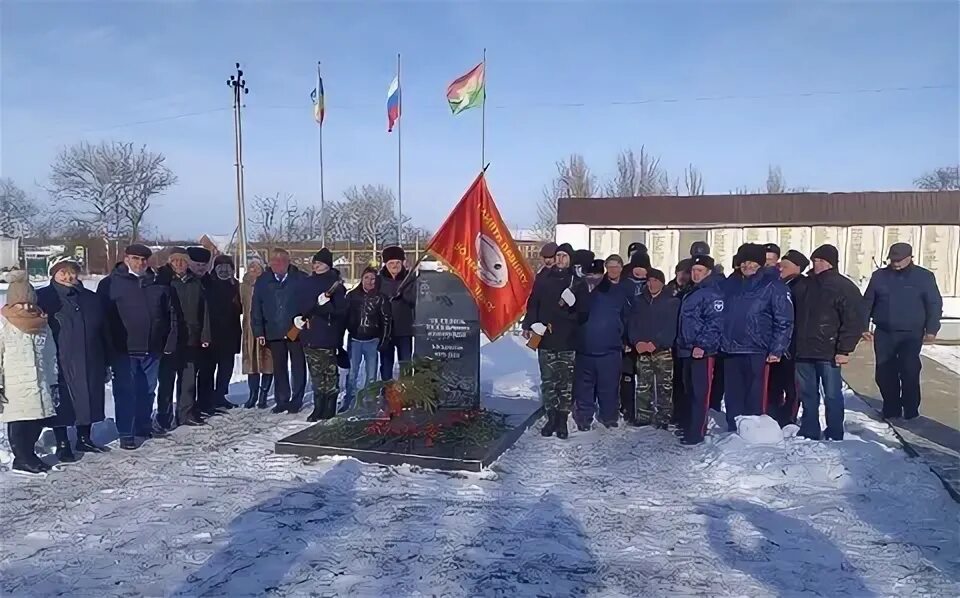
167	338
613	340
617	340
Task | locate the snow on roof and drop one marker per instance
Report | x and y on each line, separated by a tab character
221	242
524	234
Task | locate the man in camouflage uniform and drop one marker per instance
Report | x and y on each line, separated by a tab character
652	330
550	310
325	377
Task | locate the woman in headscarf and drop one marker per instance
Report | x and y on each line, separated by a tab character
78	323
28	373
256	359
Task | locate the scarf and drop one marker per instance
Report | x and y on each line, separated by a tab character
27	318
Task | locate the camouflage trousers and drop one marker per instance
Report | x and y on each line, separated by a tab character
556	379
654	404
322	364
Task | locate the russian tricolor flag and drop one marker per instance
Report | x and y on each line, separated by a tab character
393	104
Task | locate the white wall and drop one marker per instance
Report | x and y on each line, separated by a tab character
577	235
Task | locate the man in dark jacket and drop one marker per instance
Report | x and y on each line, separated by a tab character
652	330
223	299
79	327
633	284
274	306
757	326
323	308
549	255
680	285
402	303
193	316
784	401
602	312
551	314
698	341
828	327
143	326
905	305
368	323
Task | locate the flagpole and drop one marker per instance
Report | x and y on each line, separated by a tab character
323	212
399	188
483	114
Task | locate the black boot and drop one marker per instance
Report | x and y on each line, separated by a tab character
551	426
84	443
30	466
128	444
254	397
562	431
64	452
330	407
262	398
318	411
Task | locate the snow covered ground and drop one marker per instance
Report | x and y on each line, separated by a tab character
627	512
946	355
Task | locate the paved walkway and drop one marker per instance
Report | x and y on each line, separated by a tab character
935	435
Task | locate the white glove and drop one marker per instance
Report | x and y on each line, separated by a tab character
568	297
539	328
322	299
299	322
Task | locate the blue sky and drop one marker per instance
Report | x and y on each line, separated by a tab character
79	70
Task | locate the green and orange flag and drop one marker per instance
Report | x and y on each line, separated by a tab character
467	91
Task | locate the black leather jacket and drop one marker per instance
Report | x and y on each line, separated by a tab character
368	315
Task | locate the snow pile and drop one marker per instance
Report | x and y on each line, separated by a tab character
625	512
946	355
759	429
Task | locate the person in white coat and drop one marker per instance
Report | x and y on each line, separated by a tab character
28	373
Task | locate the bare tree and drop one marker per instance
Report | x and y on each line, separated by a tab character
638	175
18	212
573	179
275	218
941	179
693	180
145	176
775	183
368	215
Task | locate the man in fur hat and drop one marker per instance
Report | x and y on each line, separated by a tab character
402	301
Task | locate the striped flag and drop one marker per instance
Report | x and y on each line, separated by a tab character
316	96
393	104
467	91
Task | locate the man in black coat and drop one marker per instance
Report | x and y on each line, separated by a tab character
143	326
905	305
368	323
402	303
784	400
79	327
274	306
552	315
223	299
828	327
193	336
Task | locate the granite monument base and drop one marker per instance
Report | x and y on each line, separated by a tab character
458	446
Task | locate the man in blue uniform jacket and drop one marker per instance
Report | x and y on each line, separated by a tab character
698	341
757	326
905	305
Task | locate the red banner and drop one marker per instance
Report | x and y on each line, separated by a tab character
477	246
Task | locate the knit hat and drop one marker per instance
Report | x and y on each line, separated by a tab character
657	274
201	255
751	252
771	248
699	248
325	257
566	248
635	247
614	258
582	258
640	259
389	254
548	250
20	289
138	250
61	262
702	260
827	253
222	259
593	267
177	251
795	257
684	265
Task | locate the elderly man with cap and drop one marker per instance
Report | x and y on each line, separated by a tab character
401	301
78	323
784	400
905	305
551	315
223	299
143	326
757	327
549	254
698	342
183	367
828	327
273	308
601	313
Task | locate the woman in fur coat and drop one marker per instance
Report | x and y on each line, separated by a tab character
28	373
